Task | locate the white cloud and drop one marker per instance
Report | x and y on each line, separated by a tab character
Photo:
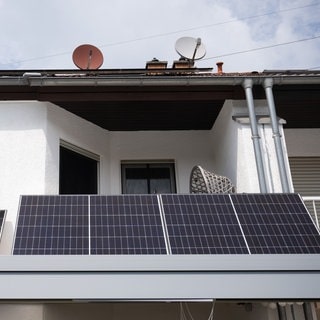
37	34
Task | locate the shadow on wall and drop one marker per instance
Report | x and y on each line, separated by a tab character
6	238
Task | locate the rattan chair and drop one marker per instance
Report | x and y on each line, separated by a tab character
203	181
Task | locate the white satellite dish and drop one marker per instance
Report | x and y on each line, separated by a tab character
190	48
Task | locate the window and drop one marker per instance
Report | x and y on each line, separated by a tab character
78	171
145	178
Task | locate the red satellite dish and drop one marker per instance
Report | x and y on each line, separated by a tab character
87	57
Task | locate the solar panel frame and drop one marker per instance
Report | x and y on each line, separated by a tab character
50	225
165	224
3	214
202	224
126	224
276	224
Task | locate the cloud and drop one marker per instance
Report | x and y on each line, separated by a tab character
39	34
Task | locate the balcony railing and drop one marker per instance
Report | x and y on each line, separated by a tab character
313	205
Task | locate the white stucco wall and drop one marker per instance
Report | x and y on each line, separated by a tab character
234	154
22	158
63	125
186	148
30	134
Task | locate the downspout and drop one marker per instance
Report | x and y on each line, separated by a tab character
267	84
247	85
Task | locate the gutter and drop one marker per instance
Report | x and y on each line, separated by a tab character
36	79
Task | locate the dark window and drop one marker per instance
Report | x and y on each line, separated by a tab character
145	178
78	173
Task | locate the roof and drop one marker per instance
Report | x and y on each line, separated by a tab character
151	99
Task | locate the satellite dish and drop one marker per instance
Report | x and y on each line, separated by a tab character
87	57
190	48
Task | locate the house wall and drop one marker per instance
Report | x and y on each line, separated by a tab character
63	125
234	154
186	148
30	134
22	158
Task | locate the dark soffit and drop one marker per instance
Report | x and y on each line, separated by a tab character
167	107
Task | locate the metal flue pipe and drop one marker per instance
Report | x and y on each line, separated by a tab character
267	84
247	85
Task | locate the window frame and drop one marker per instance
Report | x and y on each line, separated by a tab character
149	164
82	152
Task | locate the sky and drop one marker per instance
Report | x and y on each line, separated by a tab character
246	35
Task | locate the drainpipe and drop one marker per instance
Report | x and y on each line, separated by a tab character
247	85
267	84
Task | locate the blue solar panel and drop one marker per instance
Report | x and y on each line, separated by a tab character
52	225
169	223
126	224
202	224
276	223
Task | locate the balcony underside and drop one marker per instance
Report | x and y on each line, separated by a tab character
156	103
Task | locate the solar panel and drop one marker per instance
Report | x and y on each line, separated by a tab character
2	218
276	223
165	224
202	224
126	224
52	225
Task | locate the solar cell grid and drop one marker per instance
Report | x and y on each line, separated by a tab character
277	224
202	224
129	224
141	224
52	225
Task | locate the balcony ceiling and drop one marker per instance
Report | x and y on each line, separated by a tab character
156	106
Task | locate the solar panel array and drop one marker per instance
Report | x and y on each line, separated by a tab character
165	224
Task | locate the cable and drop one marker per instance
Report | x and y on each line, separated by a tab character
207	25
183	30
185	313
262	48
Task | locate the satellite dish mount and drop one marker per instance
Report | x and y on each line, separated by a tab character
190	48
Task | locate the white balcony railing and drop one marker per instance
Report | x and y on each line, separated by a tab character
313	205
